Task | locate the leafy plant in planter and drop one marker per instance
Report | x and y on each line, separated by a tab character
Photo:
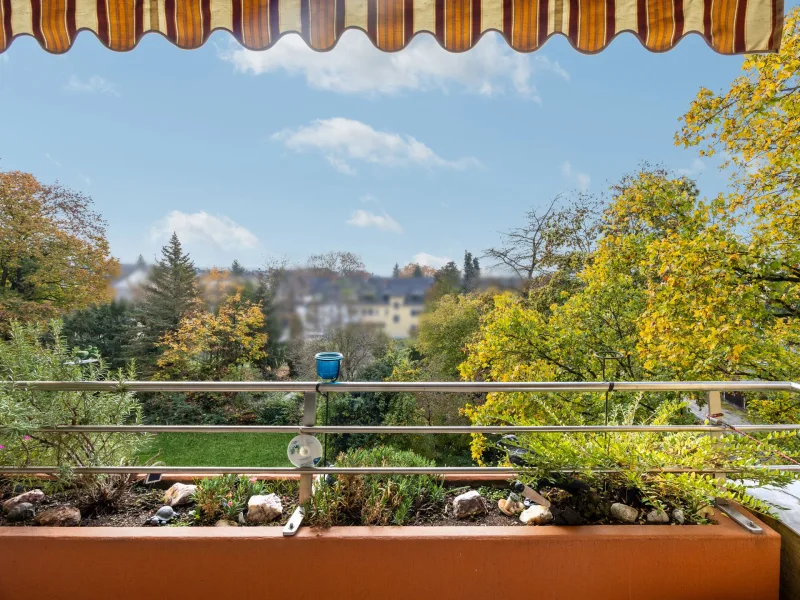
26	357
617	465
226	496
375	499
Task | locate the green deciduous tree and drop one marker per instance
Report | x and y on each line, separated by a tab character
447	328
447	280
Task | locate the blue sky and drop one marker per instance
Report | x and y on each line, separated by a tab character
289	153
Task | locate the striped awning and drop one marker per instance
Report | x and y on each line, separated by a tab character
729	26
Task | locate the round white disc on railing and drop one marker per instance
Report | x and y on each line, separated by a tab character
304	451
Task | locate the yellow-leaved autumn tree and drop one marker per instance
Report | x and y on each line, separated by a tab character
755	126
209	346
54	255
667	294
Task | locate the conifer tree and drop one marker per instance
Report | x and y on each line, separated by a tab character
167	295
237	270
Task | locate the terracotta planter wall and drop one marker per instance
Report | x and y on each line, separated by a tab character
545	563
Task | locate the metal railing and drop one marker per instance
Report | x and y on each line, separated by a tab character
308	421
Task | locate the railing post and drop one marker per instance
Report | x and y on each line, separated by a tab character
309	420
715	412
306	480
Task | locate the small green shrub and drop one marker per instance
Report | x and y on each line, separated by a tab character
376	499
280	409
225	496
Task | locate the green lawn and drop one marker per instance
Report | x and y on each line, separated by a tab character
220	449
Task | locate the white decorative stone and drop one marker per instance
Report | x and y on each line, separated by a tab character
263	509
179	494
624	513
536	515
657	517
468	504
678	516
29	497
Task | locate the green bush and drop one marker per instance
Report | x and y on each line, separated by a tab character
633	455
376	499
25	357
280	409
222	409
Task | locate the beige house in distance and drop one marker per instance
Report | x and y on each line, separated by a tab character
317	303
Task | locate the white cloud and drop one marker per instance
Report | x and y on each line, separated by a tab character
201	228
341	140
581	180
367	198
94	85
429	260
697	167
364	218
355	66
87	180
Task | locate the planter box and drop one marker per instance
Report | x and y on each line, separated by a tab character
547	563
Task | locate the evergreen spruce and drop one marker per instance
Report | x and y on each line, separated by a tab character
472	272
396	271
167	295
237	270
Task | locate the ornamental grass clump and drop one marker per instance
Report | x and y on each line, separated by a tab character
33	353
376	499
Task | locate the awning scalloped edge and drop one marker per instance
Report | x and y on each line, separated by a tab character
728	26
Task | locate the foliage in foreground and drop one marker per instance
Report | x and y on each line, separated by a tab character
634	454
375	499
25	357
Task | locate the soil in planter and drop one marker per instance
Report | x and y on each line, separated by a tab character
133	509
139	503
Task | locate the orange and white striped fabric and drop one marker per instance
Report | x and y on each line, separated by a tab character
729	26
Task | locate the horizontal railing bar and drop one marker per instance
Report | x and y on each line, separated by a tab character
401	429
141	470
403	386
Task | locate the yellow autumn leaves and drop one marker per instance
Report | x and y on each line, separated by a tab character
206	344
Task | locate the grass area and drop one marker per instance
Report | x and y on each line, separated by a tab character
220	449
